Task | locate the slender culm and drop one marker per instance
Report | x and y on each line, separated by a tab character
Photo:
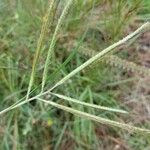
39	44
53	42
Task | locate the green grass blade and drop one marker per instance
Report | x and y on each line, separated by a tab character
60	137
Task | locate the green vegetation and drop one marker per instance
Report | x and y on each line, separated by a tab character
60	85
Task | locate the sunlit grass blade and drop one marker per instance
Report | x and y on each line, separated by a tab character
53	42
88	104
39	44
140	30
96	118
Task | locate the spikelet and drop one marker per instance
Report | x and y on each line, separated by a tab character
115	61
127	65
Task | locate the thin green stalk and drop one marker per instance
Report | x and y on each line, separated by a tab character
53	42
96	118
39	44
88	104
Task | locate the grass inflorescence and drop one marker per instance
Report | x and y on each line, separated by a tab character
61	83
